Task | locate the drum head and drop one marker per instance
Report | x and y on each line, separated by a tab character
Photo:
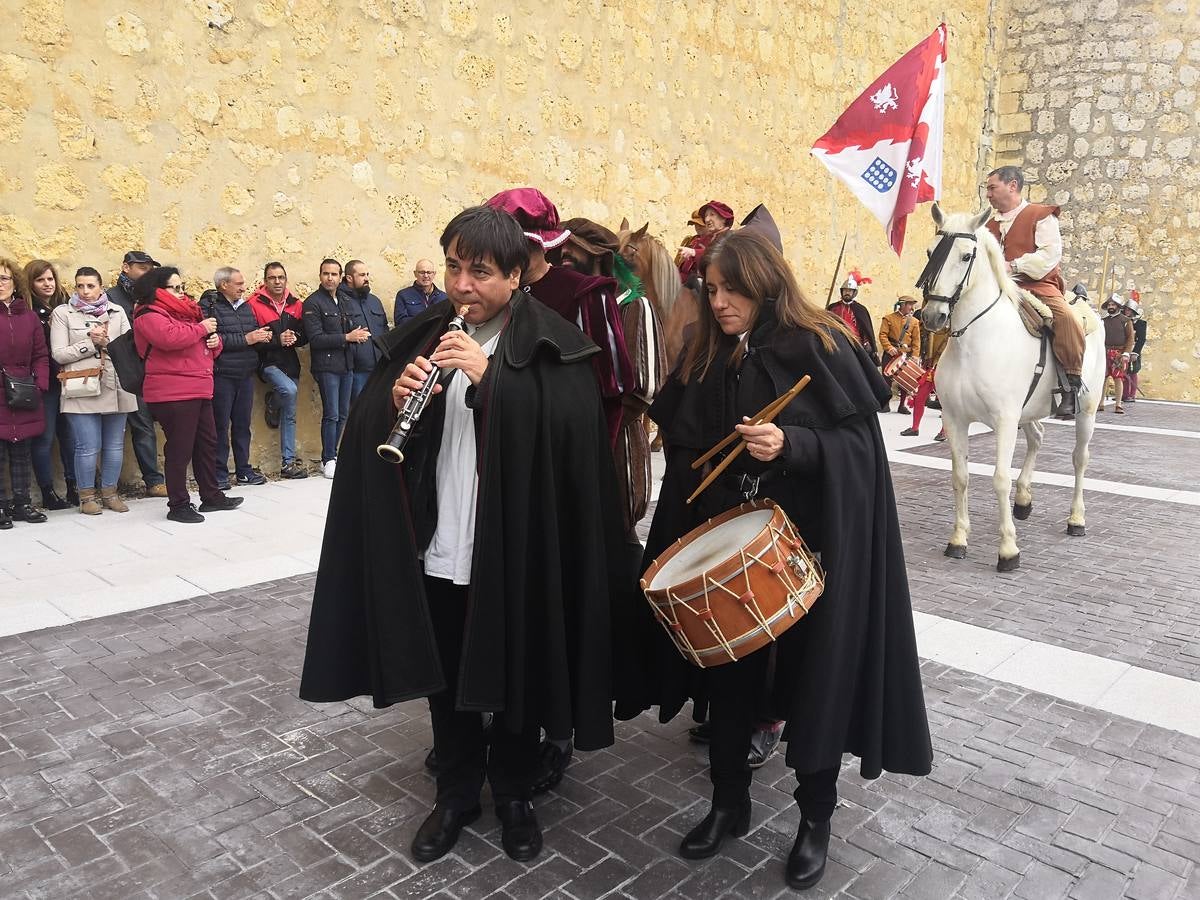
711	548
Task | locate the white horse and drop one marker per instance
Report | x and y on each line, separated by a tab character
986	371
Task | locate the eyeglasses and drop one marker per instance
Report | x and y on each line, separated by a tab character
5	279
175	288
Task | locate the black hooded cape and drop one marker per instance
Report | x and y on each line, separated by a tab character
847	676
537	642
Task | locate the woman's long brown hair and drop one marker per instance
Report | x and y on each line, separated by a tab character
35	269
752	267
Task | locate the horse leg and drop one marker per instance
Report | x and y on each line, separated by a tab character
1084	426
1023	501
1006	441
957	434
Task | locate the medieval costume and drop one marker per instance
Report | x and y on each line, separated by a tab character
1133	309
899	335
846	677
704	218
935	345
1032	244
855	315
501	603
1118	345
588	301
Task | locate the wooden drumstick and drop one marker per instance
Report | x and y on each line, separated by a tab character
759	418
763	418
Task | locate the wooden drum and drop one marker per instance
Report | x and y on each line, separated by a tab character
733	584
906	372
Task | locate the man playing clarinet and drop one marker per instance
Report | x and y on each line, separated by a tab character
476	573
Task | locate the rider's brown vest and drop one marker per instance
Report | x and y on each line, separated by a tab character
1021	239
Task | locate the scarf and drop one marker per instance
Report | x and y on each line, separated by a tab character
126	283
99	308
182	307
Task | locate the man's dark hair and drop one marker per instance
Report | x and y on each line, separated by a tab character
1009	174
144	287
484	232
88	272
273	265
352	266
327	261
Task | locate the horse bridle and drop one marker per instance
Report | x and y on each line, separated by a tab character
933	268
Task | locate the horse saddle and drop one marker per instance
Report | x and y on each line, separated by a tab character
1035	315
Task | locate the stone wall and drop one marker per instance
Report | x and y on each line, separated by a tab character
1098	103
215	132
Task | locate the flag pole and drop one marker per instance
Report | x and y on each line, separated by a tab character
837	270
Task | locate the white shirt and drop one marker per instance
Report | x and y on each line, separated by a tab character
1046	235
450	551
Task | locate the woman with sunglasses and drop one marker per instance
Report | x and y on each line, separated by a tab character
178	347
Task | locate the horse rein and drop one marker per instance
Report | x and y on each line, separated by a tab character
933	268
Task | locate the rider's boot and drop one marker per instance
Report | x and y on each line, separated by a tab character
1067	403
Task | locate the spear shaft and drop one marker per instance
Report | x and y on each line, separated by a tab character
837	270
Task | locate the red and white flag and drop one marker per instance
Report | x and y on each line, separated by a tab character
887	146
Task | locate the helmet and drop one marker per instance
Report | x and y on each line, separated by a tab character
854	280
1080	290
1115	298
1135	307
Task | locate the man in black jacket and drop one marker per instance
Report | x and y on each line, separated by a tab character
330	336
233	373
364	310
141	425
478	574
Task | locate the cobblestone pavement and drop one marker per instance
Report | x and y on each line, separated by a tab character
163	753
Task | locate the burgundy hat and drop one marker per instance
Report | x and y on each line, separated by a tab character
534	213
725	212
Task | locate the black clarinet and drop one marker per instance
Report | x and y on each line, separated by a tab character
392	449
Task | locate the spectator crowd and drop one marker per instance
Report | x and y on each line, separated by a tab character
193	362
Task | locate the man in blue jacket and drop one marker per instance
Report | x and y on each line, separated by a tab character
420	295
364	311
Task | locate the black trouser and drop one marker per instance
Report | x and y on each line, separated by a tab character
735	697
233	405
464	756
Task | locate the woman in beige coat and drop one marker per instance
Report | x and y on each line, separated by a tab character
92	399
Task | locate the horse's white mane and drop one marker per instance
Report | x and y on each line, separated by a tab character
994	256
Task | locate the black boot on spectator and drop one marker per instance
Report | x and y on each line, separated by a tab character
23	511
5	518
520	833
220	504
51	500
72	493
806	862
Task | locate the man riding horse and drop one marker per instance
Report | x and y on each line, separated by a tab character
1032	243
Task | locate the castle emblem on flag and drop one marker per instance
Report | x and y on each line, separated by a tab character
880	176
885	98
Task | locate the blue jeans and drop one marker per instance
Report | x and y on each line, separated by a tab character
56	425
335	407
285	388
98	436
145	444
360	379
233	404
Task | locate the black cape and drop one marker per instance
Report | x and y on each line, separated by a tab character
847	676
537	642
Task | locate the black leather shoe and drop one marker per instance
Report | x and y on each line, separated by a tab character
806	862
431	762
5	518
552	764
705	839
763	743
51	500
221	504
700	734
186	514
439	832
22	511
520	835
72	495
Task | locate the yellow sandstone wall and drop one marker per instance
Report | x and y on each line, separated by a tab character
214	132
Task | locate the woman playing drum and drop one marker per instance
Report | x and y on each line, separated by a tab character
846	676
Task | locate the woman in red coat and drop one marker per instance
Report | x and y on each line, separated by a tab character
23	355
179	347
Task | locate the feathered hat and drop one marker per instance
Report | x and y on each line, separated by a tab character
854	280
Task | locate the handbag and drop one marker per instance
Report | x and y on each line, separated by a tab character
79	384
20	393
130	368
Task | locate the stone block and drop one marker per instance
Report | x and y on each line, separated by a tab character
1045	122
1009	103
1015	81
1016	123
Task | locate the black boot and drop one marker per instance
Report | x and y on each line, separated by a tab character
5	518
705	839
72	492
439	832
23	511
1067	404
552	763
806	862
51	500
520	833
